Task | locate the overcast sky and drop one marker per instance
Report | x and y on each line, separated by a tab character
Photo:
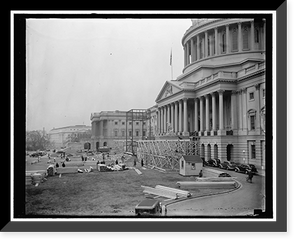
79	66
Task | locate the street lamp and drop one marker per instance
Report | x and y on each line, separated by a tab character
244	159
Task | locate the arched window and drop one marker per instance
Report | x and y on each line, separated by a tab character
256	36
208	47
245	38
234	39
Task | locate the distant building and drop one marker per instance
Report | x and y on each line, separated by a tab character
60	137
108	126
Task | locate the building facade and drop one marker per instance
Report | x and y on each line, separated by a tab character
220	96
60	137
109	126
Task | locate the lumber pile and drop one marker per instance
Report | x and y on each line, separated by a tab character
213	185
180	193
165	191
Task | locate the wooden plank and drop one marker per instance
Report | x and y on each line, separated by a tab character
215	179
160	192
216	185
176	191
138	171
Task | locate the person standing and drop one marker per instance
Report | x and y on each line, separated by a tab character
249	177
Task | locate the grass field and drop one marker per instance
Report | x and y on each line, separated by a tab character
97	193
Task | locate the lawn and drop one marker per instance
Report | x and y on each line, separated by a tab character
97	193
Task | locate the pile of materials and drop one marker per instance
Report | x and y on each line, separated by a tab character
108	168
35	177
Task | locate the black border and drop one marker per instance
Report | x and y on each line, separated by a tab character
153	226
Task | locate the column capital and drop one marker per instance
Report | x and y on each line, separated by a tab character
184	99
206	96
195	99
221	91
257	86
233	92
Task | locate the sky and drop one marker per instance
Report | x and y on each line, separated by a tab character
76	67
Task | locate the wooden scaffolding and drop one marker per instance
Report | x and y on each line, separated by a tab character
166	153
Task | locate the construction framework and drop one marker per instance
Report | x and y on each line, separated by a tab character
133	115
165	154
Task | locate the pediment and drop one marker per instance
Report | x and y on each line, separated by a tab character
168	89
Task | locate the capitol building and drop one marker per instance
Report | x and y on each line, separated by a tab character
220	95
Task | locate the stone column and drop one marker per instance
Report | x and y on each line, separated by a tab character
240	38
227	40
233	111
198	47
188	52
216	41
176	117
184	55
245	123
201	114
180	116
207	128
252	35
196	114
185	122
101	128
193	58
214	125
162	120
158	120
221	113
257	99
240	103
172	116
168	115
264	35
205	44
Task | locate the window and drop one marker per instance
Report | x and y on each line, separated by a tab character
137	123
252	122
200	47
129	123
123	123
256	36
245	38
130	133
251	96
116	123
116	133
263	93
234	39
253	153
123	133
144	133
137	133
193	166
182	163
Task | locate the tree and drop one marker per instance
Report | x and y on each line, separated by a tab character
36	140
